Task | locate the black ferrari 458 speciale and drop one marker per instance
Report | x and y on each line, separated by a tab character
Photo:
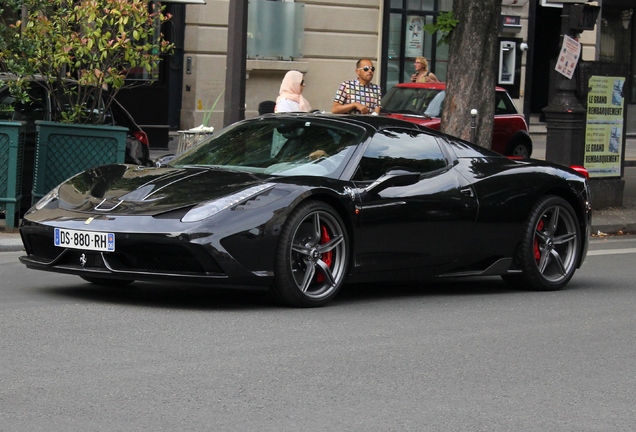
301	203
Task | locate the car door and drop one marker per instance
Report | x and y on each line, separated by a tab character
427	223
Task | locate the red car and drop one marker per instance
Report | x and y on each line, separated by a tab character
422	103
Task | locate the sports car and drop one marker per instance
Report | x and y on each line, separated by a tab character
301	203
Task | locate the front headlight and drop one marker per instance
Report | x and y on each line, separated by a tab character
210	208
49	197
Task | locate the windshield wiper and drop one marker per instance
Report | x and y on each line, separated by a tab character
405	111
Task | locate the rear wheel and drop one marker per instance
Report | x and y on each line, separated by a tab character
311	258
107	282
550	248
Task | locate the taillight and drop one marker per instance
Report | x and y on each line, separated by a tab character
581	170
142	137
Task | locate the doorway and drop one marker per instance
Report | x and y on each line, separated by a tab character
547	42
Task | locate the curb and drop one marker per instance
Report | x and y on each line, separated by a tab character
614	229
10	244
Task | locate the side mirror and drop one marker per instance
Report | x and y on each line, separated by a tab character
393	178
163	161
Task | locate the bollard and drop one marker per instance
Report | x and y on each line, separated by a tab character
473	125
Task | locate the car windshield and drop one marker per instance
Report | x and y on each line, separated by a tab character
286	146
410	100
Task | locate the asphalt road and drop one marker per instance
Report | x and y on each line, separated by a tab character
445	356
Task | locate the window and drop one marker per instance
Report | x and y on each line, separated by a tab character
402	149
406	39
275	30
618	40
503	104
140	73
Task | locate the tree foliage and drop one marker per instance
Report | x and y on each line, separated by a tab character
84	48
443	25
471	76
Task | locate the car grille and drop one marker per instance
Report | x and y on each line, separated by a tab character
156	259
42	248
137	257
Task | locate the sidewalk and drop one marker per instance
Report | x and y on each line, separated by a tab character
604	222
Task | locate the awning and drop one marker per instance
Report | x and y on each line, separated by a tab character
184	1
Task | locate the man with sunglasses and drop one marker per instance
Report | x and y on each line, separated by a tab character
358	96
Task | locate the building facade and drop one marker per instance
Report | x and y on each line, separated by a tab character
324	39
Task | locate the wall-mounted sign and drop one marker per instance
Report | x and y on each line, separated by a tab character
568	56
510	23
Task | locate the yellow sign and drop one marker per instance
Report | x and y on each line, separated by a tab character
604	126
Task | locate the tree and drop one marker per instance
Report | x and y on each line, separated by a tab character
471	76
85	50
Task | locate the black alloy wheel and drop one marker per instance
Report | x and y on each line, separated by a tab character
312	255
550	249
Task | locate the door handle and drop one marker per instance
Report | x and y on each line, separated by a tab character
468	191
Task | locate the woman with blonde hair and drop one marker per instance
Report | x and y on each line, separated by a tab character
422	74
290	96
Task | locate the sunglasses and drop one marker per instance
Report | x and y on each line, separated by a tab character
367	68
302	83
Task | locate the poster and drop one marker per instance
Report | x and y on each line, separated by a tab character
568	57
414	36
604	126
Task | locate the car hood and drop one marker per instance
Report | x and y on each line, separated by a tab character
139	190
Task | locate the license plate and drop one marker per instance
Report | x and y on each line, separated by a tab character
85	240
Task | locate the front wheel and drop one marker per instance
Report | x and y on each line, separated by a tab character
550	249
311	257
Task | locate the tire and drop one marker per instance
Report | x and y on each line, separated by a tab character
550	249
518	149
107	282
311	256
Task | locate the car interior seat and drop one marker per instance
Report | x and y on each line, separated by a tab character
303	141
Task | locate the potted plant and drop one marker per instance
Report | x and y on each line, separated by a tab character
85	50
81	52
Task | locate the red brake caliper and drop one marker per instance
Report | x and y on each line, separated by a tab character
537	251
327	257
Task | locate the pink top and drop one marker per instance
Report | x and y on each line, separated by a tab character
291	89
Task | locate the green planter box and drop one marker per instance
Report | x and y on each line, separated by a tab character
11	159
62	150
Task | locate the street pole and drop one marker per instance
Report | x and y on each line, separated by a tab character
235	71
565	115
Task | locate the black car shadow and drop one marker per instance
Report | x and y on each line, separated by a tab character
430	288
192	297
152	295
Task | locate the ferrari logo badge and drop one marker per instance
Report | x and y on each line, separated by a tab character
89	220
83	259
